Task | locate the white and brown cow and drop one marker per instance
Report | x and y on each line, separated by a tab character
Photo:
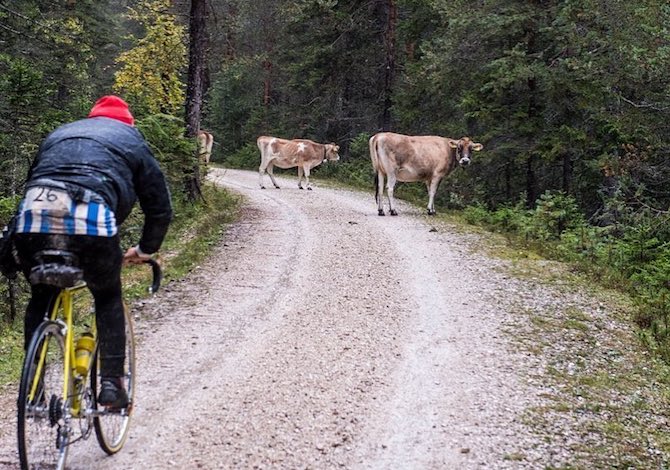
283	153
205	143
415	158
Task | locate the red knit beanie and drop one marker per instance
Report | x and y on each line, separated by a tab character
113	107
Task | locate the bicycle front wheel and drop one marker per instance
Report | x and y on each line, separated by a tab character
42	434
111	426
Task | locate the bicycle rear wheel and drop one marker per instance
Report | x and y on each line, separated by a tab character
112	426
42	435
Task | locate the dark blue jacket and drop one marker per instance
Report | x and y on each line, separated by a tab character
113	160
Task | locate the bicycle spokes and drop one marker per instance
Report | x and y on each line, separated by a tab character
111	426
42	440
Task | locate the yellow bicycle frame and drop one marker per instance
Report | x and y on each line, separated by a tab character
64	301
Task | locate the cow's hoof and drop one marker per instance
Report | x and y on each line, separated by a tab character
381	212
262	187
431	212
309	188
277	187
393	212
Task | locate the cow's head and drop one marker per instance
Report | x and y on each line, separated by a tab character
330	152
464	146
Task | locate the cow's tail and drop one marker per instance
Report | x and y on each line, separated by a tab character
375	164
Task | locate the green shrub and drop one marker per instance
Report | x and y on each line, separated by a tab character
8	207
477	215
651	282
176	153
513	219
247	158
555	213
632	255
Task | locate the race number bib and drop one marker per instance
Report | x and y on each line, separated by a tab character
50	199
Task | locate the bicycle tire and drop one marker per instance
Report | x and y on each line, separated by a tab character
112	427
42	439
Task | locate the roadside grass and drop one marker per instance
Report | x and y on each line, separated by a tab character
607	393
195	229
11	353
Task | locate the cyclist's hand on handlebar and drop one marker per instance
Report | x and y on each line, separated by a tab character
134	256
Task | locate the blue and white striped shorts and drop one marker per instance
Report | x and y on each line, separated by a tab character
50	210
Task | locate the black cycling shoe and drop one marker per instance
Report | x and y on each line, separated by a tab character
112	394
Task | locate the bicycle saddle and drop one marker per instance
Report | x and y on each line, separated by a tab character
56	268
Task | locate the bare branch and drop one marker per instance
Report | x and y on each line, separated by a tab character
644	105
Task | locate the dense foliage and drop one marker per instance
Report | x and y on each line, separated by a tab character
570	99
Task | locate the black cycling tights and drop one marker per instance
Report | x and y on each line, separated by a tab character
100	258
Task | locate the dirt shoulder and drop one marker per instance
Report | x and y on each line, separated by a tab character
319	335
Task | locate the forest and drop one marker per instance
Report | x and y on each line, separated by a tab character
571	100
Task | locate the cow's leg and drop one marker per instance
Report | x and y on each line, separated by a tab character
380	193
300	175
261	171
432	189
309	186
272	176
390	186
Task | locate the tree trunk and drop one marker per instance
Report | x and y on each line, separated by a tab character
508	181
531	179
267	82
390	17
567	173
195	89
11	291
531	187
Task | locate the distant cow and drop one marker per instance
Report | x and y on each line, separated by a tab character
283	153
205	143
415	158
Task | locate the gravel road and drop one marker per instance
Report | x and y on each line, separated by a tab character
320	335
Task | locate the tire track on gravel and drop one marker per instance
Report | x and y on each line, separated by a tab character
453	398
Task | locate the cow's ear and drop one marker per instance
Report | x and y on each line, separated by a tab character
453	144
477	147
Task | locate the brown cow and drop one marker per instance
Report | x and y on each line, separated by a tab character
415	158
283	153
205	142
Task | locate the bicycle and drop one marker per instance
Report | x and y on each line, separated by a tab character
57	404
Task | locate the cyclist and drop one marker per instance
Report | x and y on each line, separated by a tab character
82	185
